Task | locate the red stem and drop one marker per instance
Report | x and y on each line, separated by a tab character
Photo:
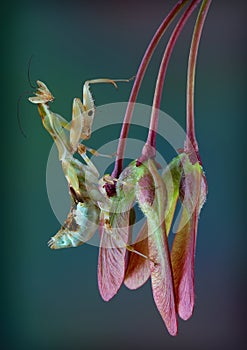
149	150
190	122
139	77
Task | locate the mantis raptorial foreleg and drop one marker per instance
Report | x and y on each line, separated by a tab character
83	113
88	101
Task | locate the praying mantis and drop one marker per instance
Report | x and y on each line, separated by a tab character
83	218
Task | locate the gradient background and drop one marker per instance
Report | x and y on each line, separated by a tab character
50	298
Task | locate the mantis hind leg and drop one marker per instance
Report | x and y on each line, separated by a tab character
132	250
82	151
97	154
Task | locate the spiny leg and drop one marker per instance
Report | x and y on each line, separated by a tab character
81	127
88	101
83	114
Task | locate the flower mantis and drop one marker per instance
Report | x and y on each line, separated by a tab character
82	220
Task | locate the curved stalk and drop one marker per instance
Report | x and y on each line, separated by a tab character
139	77
149	150
190	120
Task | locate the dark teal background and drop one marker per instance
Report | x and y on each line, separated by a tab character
50	298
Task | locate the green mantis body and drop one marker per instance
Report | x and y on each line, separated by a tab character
83	218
